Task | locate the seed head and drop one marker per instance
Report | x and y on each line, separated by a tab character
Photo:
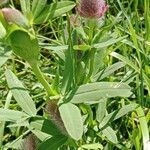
30	143
54	116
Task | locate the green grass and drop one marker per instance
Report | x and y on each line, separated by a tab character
87	88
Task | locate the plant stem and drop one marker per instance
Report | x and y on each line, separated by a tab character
42	79
92	27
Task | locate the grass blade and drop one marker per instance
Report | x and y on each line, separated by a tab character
144	128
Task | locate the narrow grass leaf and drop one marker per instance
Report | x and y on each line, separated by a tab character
144	128
125	60
46	14
54	10
108	71
54	47
63	7
72	119
25	6
20	93
95	91
133	66
38	6
68	74
58	50
117	114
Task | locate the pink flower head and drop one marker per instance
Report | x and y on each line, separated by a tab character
12	15
92	8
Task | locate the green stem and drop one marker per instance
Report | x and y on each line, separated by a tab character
41	78
92	27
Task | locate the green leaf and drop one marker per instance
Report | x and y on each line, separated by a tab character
82	47
38	6
125	60
54	10
25	6
72	120
46	14
63	7
110	134
24	45
53	143
95	91
109	42
81	32
54	47
58	50
11	115
117	114
133	66
98	64
108	71
44	125
69	70
41	135
101	110
144	128
94	146
4	56
20	93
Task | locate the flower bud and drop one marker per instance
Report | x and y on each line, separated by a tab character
2	2
92	8
12	15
